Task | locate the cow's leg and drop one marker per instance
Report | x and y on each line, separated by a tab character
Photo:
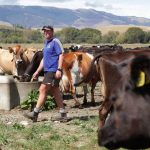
85	90
1	71
72	89
103	111
77	103
92	94
73	93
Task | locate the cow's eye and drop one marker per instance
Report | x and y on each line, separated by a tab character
114	98
123	64
127	88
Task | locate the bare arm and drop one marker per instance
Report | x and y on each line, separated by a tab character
60	62
39	69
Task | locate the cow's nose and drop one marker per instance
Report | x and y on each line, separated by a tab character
19	61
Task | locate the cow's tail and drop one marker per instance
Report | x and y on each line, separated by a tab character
89	75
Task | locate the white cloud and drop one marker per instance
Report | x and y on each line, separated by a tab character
56	1
8	2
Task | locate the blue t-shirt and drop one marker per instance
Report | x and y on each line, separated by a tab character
52	49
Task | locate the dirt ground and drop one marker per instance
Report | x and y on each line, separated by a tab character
16	114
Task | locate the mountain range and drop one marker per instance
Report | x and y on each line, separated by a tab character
37	16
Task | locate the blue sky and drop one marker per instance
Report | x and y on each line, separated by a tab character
139	8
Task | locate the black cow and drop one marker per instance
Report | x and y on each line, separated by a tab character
26	77
128	123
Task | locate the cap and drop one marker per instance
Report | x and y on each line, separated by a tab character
47	28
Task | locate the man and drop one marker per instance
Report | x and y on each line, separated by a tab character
52	65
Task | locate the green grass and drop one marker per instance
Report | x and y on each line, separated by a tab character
75	135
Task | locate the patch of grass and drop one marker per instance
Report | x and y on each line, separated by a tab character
46	136
75	135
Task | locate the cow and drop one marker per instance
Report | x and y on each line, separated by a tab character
128	123
29	52
75	65
26	77
95	50
13	61
109	74
74	48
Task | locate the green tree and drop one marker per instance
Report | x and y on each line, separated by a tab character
110	37
68	35
88	35
35	36
17	35
147	37
120	39
134	35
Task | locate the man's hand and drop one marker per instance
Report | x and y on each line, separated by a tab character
35	75
58	74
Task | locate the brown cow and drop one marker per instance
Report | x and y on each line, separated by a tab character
128	123
110	74
30	52
13	61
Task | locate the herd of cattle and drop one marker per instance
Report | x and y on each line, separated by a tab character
124	113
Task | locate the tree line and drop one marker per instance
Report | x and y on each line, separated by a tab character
74	35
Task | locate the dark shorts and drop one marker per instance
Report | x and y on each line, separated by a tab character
49	79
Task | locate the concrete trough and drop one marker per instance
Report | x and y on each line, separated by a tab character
13	93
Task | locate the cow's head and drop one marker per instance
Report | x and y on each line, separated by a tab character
32	67
19	60
128	123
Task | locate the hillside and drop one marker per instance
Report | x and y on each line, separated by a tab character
37	16
120	28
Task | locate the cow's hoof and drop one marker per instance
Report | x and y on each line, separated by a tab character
85	104
93	104
78	106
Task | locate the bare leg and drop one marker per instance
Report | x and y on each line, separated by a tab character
42	97
58	97
40	102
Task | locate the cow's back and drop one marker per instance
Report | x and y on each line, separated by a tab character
6	61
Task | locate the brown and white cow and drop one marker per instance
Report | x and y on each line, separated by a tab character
75	66
128	123
13	61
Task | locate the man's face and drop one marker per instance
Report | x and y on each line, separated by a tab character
48	34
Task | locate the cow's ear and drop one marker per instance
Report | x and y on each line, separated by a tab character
10	50
25	49
80	57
